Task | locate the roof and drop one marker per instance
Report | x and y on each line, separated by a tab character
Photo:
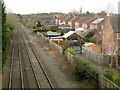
90	20
63	16
97	21
68	34
80	19
50	33
79	29
88	44
68	17
74	18
114	22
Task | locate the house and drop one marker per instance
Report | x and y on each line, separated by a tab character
110	39
57	17
78	22
60	19
71	22
87	23
67	18
71	38
97	23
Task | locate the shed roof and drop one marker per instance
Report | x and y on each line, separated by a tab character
97	21
50	33
69	34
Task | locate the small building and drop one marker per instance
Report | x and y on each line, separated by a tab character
52	34
69	37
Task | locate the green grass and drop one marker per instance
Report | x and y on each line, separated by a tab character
113	77
116	79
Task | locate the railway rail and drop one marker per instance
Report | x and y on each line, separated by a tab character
16	73
35	59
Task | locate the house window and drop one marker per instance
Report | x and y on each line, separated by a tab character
118	36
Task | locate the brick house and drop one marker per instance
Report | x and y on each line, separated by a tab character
96	24
60	19
57	17
87	23
78	22
67	18
110	38
72	21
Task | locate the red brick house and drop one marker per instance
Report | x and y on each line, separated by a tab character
60	19
79	22
87	23
67	18
72	21
57	18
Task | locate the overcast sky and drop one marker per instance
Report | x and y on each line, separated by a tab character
65	6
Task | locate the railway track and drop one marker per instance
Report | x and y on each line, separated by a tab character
16	73
41	77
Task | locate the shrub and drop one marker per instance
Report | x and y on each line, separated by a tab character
90	34
65	47
70	50
86	72
108	75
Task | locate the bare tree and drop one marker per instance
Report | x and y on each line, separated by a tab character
109	8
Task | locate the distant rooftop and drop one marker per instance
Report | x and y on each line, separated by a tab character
97	21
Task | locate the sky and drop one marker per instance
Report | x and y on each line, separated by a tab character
65	6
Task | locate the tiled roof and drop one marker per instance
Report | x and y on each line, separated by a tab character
71	20
63	16
68	17
80	19
90	20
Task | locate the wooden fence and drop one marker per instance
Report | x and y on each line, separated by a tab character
106	83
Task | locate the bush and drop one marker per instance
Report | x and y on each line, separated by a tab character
90	34
84	71
108	75
86	39
65	47
70	50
